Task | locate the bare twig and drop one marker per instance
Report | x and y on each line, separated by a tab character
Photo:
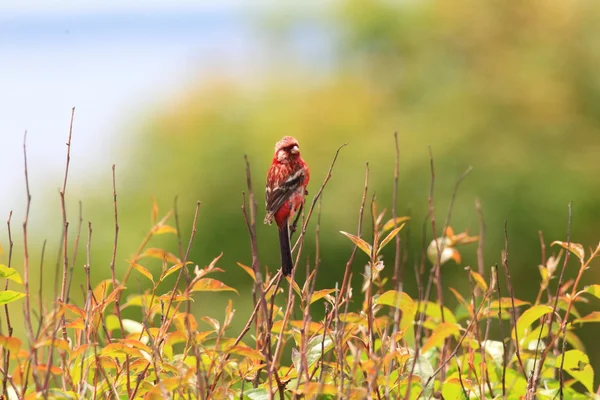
512	297
345	281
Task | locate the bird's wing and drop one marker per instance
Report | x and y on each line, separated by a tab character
278	195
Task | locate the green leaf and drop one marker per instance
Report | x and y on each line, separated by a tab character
593	290
433	311
257	394
364	246
577	364
10	273
316	347
528	318
8	296
389	237
495	349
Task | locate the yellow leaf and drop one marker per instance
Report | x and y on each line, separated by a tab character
248	270
577	364
528	317
173	269
246	352
211	285
161	255
154	211
364	246
142	270
164	229
319	294
480	281
574	248
8	296
389	237
76	324
507	302
10	343
397	221
439	334
10	273
101	290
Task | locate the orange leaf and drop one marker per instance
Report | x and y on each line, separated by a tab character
211	285
165	229
161	255
76	324
439	334
10	343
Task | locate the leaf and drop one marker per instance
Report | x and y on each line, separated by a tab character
257	394
433	311
211	285
76	324
142	270
594	316
495	349
462	301
364	246
10	273
165	229
577	364
394	222
9	296
154	211
248	270
319	294
389	237
594	290
132	326
10	343
316	347
480	281
101	290
294	285
506	303
161	255
529	317
402	301
246	351
173	269
439	334
574	248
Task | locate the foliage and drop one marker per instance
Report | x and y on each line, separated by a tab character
395	346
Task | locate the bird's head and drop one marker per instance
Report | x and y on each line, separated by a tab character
286	150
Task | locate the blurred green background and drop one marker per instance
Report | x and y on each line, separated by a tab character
509	88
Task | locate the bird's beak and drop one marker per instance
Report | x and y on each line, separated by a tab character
295	150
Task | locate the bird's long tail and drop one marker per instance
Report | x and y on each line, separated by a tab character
286	252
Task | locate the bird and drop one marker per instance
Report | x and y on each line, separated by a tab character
287	179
